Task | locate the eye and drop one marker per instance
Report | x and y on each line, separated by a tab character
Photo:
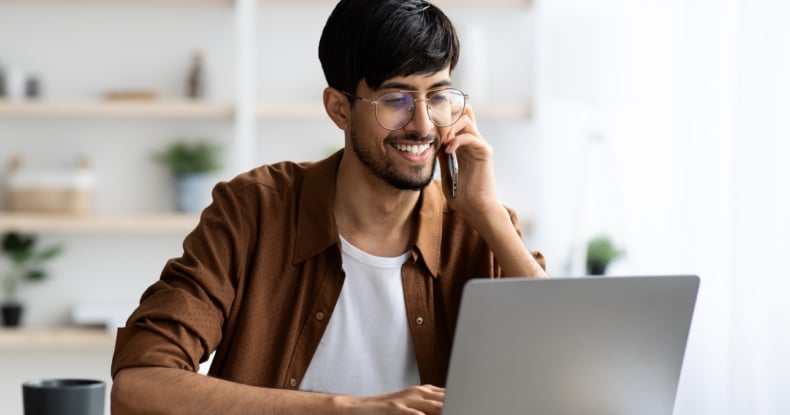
440	98
396	100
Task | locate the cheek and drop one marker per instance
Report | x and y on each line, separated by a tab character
367	131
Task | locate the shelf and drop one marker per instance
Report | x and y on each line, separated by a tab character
54	338
117	109
440	3
130	224
176	2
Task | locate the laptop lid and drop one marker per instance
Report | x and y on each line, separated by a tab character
592	346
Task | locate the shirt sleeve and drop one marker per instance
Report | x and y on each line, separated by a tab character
180	317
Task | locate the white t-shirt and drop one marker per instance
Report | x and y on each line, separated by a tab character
366	348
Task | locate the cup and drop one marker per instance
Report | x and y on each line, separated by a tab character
63	397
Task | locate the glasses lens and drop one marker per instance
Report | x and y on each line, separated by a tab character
446	107
394	110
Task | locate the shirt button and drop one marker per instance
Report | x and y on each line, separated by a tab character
319	316
293	382
419	321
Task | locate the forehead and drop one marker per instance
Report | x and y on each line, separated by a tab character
418	82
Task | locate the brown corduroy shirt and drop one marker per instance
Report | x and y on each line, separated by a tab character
261	273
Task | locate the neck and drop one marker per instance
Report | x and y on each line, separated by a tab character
371	214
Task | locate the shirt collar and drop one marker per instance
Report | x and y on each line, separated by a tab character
316	229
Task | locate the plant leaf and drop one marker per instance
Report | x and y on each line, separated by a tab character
50	253
36	275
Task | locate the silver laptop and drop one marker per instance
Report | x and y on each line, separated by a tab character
575	346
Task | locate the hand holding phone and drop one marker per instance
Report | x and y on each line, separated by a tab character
452	164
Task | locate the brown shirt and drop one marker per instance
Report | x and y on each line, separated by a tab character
261	273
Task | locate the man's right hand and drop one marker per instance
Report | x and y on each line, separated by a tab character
417	400
168	391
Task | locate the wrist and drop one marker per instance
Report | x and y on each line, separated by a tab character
342	404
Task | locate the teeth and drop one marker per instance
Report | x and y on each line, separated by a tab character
414	149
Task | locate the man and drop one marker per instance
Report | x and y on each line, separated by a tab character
334	287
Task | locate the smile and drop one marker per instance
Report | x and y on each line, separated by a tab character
414	149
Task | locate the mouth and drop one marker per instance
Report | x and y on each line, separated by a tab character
412	149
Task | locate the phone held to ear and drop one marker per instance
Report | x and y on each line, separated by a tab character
452	164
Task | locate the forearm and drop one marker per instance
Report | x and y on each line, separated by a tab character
506	244
168	391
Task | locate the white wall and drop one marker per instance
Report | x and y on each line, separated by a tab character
689	167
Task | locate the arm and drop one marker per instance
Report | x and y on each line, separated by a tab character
478	201
156	390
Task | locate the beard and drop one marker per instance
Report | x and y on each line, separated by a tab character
415	178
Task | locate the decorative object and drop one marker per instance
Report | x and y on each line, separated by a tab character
191	165
195	80
27	265
51	190
600	252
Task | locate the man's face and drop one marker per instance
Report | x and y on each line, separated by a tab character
404	158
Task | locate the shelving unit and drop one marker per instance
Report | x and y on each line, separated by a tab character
55	338
127	224
239	113
170	109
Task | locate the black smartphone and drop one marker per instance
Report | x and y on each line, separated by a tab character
452	164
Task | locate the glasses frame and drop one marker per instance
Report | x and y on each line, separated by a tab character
427	98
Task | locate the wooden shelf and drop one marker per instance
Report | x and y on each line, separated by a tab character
116	109
57	338
176	2
130	224
440	3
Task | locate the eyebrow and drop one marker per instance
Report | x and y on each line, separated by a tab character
409	87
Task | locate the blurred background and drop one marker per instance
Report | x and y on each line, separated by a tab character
658	125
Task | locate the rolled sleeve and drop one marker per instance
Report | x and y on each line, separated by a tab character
180	317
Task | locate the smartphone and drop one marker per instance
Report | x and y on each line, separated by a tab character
452	164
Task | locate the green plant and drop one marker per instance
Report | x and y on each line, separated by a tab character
27	262
183	158
600	252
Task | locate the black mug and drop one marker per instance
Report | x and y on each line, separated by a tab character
63	397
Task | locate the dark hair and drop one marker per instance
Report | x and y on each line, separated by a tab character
376	40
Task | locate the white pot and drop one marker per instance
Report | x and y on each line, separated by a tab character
193	192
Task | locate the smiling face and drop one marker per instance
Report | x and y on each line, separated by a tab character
405	158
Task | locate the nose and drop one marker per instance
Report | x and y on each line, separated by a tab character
421	121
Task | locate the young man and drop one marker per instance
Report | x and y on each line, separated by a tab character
334	287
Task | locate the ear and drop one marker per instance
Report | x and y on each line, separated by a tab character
337	107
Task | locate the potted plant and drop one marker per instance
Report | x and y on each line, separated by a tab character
600	252
191	165
27	265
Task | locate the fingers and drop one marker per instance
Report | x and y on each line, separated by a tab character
417	400
430	400
463	132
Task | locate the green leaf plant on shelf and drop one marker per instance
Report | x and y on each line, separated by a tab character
26	265
600	252
191	164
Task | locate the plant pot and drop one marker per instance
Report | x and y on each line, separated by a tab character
596	269
193	192
12	314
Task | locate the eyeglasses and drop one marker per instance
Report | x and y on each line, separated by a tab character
396	109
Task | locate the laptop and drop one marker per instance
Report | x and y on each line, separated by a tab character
570	346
